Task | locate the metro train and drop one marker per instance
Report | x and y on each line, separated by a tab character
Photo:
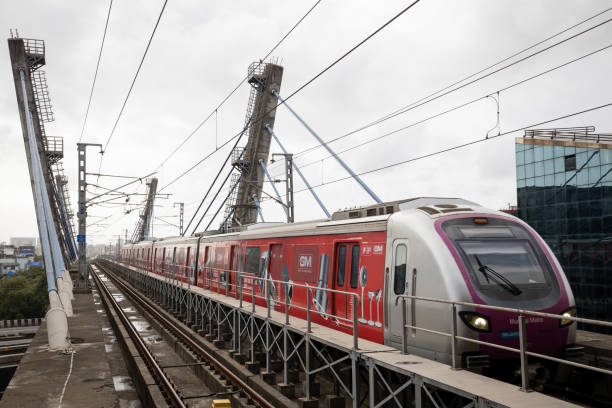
443	248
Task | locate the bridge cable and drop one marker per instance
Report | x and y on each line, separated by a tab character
457	107
214	111
445	91
301	88
473	142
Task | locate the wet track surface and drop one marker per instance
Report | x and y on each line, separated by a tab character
191	387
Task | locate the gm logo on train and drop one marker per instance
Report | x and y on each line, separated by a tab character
305	261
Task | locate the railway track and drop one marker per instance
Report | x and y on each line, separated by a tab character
235	384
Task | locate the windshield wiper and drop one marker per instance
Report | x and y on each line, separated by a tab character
497	277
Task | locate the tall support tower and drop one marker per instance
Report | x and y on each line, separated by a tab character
263	78
145	220
27	57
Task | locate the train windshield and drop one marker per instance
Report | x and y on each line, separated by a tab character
503	260
514	259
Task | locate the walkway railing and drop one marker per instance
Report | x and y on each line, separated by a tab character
215	279
522	350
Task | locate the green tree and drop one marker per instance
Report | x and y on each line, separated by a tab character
24	295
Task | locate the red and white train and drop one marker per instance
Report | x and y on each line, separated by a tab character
440	248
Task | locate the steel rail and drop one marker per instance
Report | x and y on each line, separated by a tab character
180	335
157	371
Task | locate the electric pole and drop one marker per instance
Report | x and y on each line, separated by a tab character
82	213
181	211
288	185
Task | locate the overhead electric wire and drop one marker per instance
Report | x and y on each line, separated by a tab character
121	186
112	175
299	89
135	76
462	105
93	84
229	155
214	111
473	142
447	90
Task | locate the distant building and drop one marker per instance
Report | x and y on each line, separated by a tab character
8	266
22	241
564	191
8	251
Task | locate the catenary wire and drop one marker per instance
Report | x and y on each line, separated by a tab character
93	84
144	55
233	91
473	142
291	95
449	89
462	105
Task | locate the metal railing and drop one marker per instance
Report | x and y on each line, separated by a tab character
214	279
580	133
522	325
53	144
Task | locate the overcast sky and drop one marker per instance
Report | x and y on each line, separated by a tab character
202	49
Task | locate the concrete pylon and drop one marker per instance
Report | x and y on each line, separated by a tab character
67	278
57	323
64	297
67	283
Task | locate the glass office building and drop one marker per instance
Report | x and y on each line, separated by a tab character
564	191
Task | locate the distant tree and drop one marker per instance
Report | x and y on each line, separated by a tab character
24	295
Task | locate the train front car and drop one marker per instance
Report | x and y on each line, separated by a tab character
456	250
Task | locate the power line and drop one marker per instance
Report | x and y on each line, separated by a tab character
214	111
291	95
462	105
121	186
135	76
110	6
447	90
473	142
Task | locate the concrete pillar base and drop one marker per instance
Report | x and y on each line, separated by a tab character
336	401
288	390
64	298
240	358
269	377
309	403
57	323
253	367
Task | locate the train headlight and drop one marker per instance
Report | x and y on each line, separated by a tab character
476	321
571	312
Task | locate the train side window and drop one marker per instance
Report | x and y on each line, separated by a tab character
399	281
252	260
341	265
354	266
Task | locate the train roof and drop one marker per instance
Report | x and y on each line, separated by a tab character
354	220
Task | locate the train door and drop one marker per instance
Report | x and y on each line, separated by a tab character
188	266
401	282
276	258
204	266
345	276
233	267
154	261
162	263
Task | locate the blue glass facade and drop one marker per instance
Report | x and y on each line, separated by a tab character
564	191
